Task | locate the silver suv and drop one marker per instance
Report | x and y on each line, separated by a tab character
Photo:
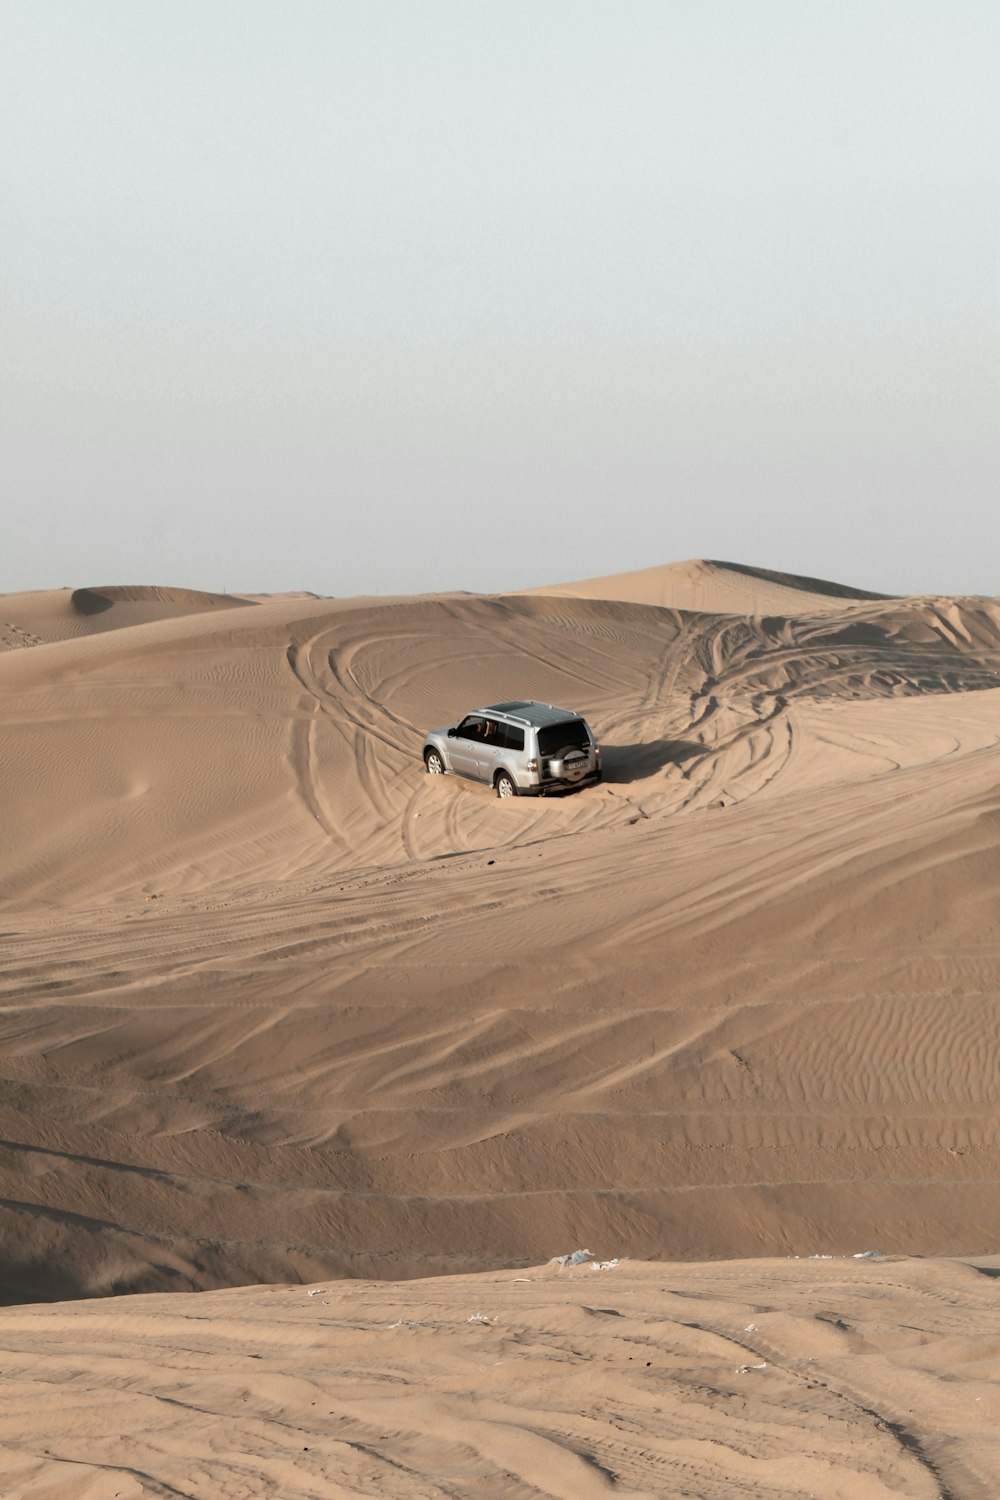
523	749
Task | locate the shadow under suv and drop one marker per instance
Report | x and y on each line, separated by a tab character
522	749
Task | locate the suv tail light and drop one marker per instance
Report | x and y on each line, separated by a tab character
532	764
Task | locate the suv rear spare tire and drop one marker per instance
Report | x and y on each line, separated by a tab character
569	765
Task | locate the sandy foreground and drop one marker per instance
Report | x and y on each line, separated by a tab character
868	1380
278	1008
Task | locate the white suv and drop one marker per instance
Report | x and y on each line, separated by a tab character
522	749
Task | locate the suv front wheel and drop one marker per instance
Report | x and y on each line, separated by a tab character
505	784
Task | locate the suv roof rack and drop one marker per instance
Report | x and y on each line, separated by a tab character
530	711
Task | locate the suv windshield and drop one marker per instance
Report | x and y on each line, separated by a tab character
556	737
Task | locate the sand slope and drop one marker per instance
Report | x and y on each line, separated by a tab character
278	1004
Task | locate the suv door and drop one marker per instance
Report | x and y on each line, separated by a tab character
490	750
464	745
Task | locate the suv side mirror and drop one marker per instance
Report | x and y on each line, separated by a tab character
451	732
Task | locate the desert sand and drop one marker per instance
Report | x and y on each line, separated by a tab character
283	1015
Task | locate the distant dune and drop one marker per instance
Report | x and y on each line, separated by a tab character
722	588
32	619
277	1006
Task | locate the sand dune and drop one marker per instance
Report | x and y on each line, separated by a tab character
723	588
32	619
277	1006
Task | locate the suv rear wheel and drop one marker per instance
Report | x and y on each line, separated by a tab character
505	784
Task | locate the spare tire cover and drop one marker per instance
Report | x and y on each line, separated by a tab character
569	765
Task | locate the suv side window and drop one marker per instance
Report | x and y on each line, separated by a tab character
471	728
513	739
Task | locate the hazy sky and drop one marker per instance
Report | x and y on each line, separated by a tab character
398	295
